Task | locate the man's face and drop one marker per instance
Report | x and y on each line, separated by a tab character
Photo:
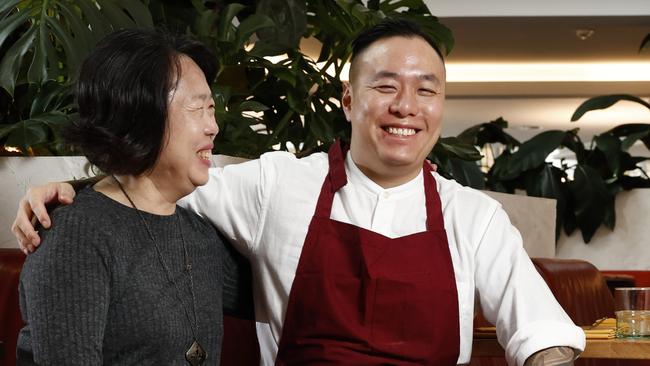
394	101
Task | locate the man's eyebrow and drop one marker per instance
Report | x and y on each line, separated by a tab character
385	74
394	75
429	77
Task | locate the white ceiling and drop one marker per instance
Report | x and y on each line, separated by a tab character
482	8
507	32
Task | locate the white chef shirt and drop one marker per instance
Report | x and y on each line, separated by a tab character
265	206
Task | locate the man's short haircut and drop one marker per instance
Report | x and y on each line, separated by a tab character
123	94
387	28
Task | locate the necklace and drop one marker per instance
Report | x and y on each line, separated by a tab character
195	355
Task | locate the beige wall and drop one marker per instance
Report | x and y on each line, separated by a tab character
507	8
534	218
18	174
625	248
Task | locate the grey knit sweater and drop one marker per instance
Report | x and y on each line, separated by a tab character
95	293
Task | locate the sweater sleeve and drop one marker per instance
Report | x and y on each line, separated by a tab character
237	282
65	292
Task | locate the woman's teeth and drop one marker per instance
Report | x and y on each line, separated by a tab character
204	154
400	131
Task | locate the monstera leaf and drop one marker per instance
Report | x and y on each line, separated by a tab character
47	40
39	115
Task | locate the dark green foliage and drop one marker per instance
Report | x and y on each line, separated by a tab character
262	106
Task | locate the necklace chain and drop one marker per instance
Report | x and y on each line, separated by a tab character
194	326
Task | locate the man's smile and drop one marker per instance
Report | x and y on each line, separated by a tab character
400	131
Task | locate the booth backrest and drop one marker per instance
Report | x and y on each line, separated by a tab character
579	287
11	263
240	346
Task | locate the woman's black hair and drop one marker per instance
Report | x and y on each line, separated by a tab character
123	93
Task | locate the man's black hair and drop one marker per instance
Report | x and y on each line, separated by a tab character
390	27
123	95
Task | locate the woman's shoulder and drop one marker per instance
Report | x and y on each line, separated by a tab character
87	204
78	232
196	223
92	218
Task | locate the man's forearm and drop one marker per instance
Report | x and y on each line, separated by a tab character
555	356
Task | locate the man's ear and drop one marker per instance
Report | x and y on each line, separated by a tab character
346	99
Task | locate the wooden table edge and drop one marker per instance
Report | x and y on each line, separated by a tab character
631	349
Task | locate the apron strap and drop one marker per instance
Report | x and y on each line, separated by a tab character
434	206
335	179
336	157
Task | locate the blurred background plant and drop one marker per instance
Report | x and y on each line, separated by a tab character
584	181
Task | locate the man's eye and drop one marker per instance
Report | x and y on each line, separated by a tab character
427	92
385	88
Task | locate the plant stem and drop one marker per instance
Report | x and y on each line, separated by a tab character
281	126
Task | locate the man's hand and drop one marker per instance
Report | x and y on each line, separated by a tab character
32	208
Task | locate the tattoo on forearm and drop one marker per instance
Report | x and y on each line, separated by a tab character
556	356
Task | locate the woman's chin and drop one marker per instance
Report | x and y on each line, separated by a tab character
200	180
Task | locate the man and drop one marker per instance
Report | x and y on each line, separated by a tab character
366	257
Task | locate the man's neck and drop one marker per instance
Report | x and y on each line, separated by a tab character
386	180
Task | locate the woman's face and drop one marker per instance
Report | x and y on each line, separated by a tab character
191	127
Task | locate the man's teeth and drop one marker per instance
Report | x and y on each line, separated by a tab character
205	154
400	131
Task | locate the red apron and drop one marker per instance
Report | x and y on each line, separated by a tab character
360	298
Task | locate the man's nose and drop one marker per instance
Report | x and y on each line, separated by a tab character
405	104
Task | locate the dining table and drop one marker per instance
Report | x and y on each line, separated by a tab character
618	348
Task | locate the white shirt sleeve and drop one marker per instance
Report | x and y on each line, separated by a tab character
516	299
232	200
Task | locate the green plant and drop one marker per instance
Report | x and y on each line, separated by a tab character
42	44
645	44
289	104
293	104
584	187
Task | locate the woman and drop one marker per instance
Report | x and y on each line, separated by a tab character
126	277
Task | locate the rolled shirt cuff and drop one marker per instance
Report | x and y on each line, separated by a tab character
540	335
